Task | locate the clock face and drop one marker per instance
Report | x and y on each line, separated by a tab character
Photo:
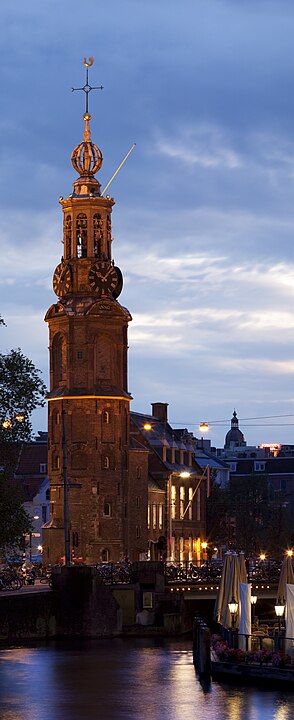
62	279
103	278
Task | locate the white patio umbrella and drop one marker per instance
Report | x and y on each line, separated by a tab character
218	612
229	589
286	577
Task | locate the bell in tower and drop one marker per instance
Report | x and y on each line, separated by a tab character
88	416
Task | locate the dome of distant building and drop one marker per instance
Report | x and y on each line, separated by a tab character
234	438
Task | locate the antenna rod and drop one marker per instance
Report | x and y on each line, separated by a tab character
118	169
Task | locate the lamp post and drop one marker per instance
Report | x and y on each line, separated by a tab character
203	427
253	600
233	608
65	491
279	610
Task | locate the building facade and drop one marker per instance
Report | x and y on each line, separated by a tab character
31	479
88	417
177	488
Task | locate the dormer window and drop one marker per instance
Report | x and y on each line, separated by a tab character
259	466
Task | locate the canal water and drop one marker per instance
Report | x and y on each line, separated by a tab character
124	680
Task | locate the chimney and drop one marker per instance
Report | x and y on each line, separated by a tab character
159	410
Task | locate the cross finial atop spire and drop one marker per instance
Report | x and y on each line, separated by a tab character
87	88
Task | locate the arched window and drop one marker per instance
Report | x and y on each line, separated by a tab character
81	235
106	417
55	425
58	359
138	472
105	555
105	462
67	237
98	235
107	509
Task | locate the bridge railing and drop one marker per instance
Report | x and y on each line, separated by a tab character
186	572
211	570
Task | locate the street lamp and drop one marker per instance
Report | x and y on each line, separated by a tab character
233	608
203	427
279	610
7	423
253	601
65	491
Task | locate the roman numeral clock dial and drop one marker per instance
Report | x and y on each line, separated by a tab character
62	280
105	279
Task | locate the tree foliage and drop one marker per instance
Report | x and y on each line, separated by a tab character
14	521
21	391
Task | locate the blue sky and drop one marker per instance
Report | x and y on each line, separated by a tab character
204	215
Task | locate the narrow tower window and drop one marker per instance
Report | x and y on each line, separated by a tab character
67	237
98	235
81	235
106	417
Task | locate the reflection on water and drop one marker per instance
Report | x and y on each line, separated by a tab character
124	680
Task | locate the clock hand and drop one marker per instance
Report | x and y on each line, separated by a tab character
106	274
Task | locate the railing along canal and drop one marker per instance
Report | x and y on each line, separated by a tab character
188	573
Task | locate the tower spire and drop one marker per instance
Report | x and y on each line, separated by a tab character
87	88
87	158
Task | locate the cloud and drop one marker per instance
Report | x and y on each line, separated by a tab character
204	145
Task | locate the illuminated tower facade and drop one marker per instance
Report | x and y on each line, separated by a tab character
88	418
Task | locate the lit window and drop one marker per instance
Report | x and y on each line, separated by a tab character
160	516
172	548
173	501
190	511
182	501
198	504
154	517
106	417
106	462
190	548
181	548
149	513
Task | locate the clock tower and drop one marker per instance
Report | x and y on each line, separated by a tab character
88	416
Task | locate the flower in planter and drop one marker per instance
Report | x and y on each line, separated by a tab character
221	649
281	660
215	639
236	655
263	657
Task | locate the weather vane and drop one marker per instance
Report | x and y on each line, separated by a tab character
87	88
